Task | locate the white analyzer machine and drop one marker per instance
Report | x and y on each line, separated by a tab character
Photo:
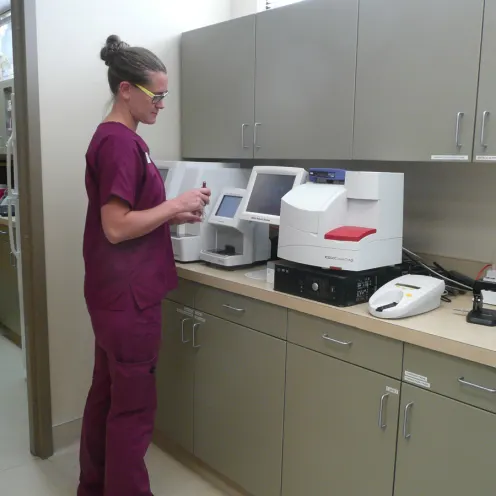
407	296
241	217
189	240
343	220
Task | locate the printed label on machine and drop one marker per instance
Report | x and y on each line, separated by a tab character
392	390
419	380
185	311
485	158
450	158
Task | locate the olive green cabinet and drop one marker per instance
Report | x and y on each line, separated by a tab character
485	131
277	85
10	316
305	80
340	428
239	403
417	79
444	447
176	375
217	90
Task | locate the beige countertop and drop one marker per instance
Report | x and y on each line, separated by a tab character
443	330
4	221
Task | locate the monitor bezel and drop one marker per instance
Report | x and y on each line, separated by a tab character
300	177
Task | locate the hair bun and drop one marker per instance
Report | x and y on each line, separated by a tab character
112	46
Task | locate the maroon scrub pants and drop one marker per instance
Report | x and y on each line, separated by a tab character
120	410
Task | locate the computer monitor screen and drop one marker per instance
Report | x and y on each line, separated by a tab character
267	193
164	173
229	206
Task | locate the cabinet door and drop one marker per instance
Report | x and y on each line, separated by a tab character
10	315
485	131
446	447
4	262
340	428
417	76
175	376
239	404
305	80
217	90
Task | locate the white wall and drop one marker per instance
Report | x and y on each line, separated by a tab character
241	8
449	208
73	97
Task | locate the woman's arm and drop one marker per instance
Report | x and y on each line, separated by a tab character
120	223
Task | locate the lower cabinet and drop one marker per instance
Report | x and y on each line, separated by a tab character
176	376
239	404
444	447
340	430
10	315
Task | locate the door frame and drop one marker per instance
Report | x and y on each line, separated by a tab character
32	228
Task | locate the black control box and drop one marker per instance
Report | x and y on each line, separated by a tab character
335	287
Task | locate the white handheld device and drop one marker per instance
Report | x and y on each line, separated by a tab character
407	296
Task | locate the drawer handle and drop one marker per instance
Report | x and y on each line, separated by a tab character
382	424
4	232
459	118
462	380
406	434
336	341
184	341
234	309
195	327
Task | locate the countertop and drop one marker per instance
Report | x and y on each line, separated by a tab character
443	330
4	221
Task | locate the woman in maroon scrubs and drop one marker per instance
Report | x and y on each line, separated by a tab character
129	269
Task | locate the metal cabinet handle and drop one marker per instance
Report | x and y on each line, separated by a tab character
485	115
462	380
4	232
234	309
382	424
243	127
195	327
335	341
183	340
459	117
407	434
255	135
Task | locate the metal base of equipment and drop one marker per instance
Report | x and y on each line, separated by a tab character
334	287
480	315
483	317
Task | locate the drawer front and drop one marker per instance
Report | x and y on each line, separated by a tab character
184	293
453	377
352	345
254	314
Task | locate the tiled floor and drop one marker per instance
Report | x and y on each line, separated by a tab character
23	475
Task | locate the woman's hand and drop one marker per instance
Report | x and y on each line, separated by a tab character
187	218
194	200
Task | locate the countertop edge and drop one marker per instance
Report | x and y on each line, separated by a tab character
389	329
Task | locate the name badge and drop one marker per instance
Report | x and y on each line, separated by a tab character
148	159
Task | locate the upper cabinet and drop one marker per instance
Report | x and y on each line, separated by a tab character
417	76
305	80
485	130
386	80
292	100
217	90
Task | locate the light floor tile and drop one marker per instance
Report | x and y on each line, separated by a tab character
14	420
23	475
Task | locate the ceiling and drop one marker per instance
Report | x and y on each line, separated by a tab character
4	5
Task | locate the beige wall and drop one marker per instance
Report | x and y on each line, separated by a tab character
450	209
241	8
73	97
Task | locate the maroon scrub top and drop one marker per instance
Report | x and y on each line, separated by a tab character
118	164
